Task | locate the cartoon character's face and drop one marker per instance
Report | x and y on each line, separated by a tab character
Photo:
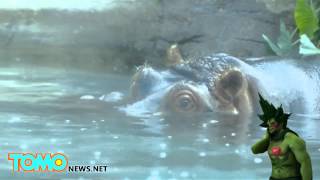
274	126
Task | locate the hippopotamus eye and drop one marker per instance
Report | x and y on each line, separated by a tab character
183	100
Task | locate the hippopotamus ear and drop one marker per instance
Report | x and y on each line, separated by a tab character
229	86
173	56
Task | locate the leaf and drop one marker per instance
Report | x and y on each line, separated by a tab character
284	43
306	18
274	48
307	48
284	40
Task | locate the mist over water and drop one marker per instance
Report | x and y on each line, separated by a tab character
60	93
58	4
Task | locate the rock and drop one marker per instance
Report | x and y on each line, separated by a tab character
139	31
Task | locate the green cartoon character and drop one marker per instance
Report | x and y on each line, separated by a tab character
287	151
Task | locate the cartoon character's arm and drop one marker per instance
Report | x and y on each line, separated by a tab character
262	145
298	147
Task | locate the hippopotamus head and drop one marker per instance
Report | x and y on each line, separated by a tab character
215	83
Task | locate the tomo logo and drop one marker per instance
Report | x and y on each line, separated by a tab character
38	162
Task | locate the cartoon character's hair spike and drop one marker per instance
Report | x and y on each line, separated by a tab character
264	124
267	108
270	111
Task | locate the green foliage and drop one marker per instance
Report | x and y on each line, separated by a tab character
308	25
307	48
306	18
284	43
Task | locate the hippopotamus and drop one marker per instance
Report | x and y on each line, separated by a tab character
194	94
218	83
213	83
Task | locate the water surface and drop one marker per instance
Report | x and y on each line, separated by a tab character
77	113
